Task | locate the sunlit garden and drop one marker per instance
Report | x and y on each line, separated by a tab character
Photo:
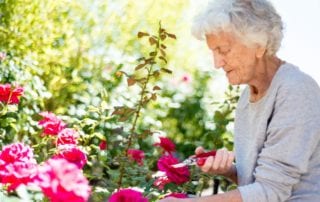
99	98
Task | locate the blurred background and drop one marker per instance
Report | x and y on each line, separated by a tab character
66	55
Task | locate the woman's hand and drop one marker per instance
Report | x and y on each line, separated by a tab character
169	199
172	199
221	164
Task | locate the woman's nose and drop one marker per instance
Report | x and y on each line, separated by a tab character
219	60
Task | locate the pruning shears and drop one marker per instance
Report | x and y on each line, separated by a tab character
198	159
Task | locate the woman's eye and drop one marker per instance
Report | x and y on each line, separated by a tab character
224	51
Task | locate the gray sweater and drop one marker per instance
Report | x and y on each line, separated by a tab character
277	140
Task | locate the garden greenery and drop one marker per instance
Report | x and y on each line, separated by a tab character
88	93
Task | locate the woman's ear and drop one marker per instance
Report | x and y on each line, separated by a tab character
260	51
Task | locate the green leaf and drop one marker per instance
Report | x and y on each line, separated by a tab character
166	70
163	53
153	53
163	59
99	135
140	59
140	66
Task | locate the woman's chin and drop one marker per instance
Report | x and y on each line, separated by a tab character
233	81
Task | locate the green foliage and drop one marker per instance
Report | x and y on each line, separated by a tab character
78	59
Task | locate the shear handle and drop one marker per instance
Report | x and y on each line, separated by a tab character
201	158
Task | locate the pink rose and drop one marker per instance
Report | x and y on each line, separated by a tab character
62	181
72	154
177	195
103	145
8	95
17	165
136	155
160	182
127	195
16	152
166	144
67	136
176	175
51	124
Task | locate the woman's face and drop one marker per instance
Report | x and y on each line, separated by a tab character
236	59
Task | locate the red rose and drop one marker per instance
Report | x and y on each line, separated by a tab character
166	144
136	155
51	124
176	175
8	95
103	145
61	180
72	154
127	195
67	136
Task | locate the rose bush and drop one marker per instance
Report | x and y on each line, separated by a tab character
75	110
60	175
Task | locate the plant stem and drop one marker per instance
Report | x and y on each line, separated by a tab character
137	114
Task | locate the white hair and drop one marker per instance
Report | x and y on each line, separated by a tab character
252	21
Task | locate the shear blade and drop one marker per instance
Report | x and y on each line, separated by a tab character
179	165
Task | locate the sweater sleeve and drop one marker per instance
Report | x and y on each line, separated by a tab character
292	137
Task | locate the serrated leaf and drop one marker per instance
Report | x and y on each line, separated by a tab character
163	37
156	88
152	41
142	34
131	81
163	53
156	73
162	58
148	60
166	70
153	53
117	112
123	118
171	35
154	96
140	66
139	59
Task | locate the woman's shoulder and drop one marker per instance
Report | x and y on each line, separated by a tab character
290	76
294	86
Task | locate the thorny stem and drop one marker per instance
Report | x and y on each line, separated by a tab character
137	114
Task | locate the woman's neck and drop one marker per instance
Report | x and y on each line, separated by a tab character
266	69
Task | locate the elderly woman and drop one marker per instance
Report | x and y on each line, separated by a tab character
277	125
